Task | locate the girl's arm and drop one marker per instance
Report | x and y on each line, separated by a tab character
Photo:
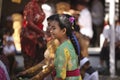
33	69
42	74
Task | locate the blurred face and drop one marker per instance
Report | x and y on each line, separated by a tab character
9	43
79	7
55	30
48	22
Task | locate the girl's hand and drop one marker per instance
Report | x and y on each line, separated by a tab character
21	74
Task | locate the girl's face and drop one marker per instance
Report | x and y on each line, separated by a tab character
56	31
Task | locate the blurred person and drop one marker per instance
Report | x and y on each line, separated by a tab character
33	44
62	7
105	51
85	24
48	9
10	51
97	12
44	68
8	29
4	64
87	71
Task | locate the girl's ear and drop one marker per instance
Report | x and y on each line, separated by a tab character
64	30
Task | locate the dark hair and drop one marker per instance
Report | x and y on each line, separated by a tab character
64	22
81	2
1	42
74	26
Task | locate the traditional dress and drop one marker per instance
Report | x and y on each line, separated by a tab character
32	42
66	62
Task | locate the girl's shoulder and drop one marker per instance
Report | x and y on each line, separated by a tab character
65	44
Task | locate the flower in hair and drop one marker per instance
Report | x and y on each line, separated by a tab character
71	19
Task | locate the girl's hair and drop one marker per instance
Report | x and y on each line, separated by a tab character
65	22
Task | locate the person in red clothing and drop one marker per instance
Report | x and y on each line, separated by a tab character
32	41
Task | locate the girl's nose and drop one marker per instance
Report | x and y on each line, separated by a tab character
51	31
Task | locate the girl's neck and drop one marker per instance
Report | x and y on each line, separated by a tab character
63	40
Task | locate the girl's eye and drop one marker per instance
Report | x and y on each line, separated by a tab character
54	28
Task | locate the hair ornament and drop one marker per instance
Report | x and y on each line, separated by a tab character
72	19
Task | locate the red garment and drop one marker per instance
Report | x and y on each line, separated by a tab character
70	73
28	45
32	13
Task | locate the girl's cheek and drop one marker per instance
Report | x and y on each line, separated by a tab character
51	31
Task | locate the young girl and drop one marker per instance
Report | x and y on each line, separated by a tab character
66	55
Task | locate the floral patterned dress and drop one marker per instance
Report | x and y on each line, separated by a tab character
32	43
66	60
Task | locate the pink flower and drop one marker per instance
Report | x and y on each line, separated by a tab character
71	19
